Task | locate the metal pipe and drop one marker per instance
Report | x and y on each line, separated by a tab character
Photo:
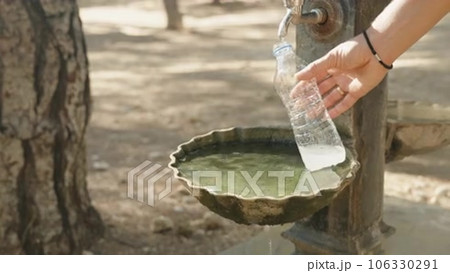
295	15
284	24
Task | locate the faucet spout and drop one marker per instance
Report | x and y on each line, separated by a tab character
295	15
284	24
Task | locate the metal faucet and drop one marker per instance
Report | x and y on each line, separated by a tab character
295	15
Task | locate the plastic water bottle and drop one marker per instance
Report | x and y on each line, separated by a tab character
316	136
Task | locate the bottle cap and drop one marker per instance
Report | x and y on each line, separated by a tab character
277	48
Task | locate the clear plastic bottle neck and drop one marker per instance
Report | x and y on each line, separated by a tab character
281	48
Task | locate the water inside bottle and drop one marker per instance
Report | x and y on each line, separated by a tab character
316	157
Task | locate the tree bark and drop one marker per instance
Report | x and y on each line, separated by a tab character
174	17
44	110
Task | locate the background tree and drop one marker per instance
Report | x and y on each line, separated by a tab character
44	111
174	17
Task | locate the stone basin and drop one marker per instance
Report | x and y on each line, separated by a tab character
204	165
415	127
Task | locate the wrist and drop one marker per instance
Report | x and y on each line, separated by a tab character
380	43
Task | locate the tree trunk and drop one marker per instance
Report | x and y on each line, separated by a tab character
174	17
44	110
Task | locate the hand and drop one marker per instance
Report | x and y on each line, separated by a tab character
345	74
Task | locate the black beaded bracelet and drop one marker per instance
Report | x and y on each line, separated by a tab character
375	53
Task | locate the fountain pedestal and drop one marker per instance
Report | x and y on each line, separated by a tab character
352	223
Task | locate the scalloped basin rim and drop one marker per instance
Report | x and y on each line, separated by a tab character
353	165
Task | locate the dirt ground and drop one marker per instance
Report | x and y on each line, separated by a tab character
154	89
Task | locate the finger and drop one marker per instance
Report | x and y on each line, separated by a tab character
317	69
342	106
326	85
344	81
333	97
299	89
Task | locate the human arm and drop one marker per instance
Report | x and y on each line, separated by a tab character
350	71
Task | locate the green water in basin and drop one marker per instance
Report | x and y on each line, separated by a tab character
249	170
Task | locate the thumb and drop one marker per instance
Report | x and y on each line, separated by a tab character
318	69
